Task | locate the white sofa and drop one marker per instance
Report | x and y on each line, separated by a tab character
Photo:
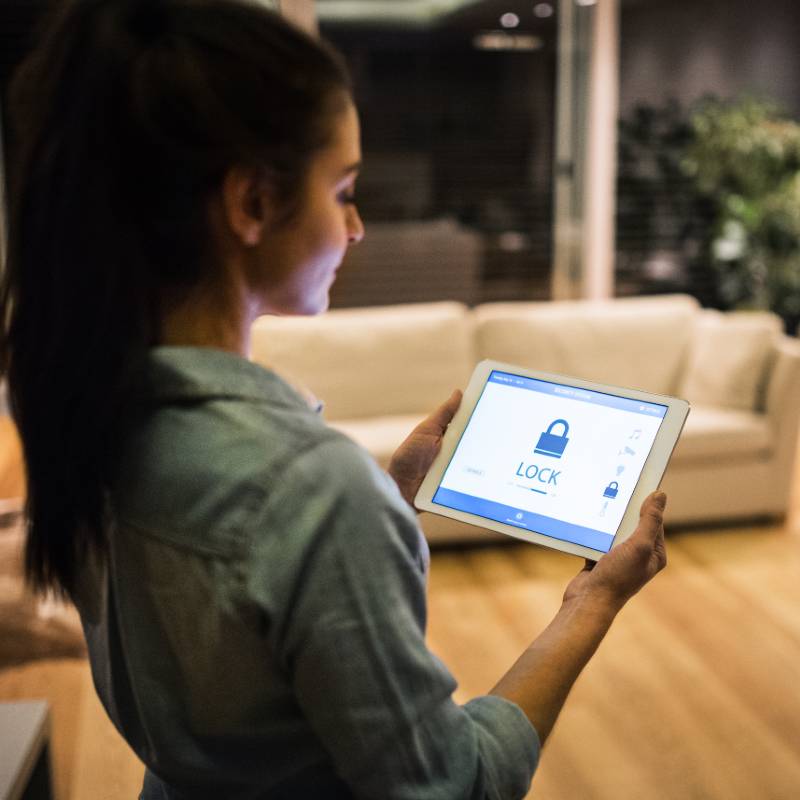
380	370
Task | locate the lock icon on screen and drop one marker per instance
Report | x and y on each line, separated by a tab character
551	444
611	490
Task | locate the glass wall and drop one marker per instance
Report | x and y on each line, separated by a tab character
458	110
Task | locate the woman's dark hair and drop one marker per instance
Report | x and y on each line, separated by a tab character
126	118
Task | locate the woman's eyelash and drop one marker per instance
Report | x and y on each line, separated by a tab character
347	198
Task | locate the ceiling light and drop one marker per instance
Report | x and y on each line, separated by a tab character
509	20
586	2
504	41
543	10
384	13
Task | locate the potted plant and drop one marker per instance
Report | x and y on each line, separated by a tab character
744	159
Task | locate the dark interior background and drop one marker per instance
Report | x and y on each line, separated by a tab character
458	142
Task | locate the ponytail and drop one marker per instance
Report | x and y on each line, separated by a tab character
127	117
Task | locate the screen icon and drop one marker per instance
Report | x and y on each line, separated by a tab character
551	444
611	490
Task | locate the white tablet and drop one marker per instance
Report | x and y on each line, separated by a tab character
557	461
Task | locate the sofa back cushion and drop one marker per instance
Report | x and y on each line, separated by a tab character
401	359
729	358
635	342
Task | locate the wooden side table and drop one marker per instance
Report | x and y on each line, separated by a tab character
25	770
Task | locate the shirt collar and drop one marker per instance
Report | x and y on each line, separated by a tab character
202	373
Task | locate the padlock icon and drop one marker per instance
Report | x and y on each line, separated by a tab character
551	444
611	490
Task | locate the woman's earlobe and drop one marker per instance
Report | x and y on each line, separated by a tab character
252	235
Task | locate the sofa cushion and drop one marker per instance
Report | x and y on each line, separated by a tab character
380	435
720	434
638	342
729	358
402	359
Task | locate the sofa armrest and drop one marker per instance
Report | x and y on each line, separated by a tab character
783	384
783	407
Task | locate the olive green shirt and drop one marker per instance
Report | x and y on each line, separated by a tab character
259	628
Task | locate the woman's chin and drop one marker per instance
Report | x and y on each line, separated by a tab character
313	306
324	306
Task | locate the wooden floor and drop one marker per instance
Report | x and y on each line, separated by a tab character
695	694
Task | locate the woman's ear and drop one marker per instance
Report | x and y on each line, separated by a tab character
246	204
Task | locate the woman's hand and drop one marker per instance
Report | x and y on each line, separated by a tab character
413	458
619	574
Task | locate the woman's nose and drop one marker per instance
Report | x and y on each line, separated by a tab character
355	227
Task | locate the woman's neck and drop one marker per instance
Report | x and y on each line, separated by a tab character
219	318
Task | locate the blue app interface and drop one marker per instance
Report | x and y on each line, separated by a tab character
555	459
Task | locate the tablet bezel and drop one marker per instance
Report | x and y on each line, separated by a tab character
649	479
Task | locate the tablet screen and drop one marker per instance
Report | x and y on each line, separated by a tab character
551	458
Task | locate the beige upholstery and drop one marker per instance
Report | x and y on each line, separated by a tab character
359	362
715	434
381	370
640	343
729	358
380	435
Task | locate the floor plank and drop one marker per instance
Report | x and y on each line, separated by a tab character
104	768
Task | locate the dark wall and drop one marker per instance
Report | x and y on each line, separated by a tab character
466	129
687	48
453	132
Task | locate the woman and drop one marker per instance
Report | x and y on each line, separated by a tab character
252	587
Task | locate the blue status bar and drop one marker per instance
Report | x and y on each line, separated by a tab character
576	393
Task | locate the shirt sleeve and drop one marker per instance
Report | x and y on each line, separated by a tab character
351	634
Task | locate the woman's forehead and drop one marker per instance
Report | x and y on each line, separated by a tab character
346	141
